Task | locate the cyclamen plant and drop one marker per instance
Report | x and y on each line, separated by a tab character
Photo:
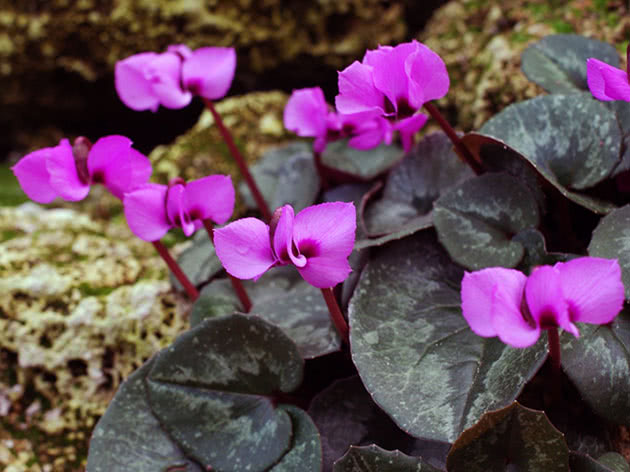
447	265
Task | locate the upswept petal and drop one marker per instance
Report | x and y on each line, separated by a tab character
283	234
408	127
325	272
146	212
327	230
357	92
140	168
389	72
370	134
176	209
244	248
165	74
209	71
507	318
428	77
64	178
184	51
132	85
210	197
306	113
479	302
607	82
592	288
545	299
33	177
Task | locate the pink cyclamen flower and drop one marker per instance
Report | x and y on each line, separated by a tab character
394	83
318	241
506	303
147	80
308	115
153	209
67	172
607	82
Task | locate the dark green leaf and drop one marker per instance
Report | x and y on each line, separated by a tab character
513	438
598	364
535	251
199	262
558	62
363	165
477	220
609	462
427	171
285	175
211	392
375	459
611	240
129	437
415	352
573	141
306	450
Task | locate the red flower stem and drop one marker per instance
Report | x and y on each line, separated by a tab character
464	153
240	291
335	313
554	357
321	171
191	290
240	162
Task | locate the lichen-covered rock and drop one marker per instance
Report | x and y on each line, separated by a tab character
82	304
481	42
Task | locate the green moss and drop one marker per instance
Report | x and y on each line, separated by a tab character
561	26
7	234
520	37
10	192
89	291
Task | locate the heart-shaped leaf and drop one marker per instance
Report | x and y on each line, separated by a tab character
611	240
199	262
282	298
415	352
129	437
212	389
427	171
513	438
361	165
306	450
609	462
477	220
598	364
573	141
285	175
374	459
558	62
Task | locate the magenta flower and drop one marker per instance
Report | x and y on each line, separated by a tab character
154	209
394	83
607	82
505	303
62	171
147	80
317	241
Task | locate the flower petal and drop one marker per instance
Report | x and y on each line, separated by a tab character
357	92
210	197
478	296
33	177
209	71
145	211
545	299
132	85
408	127
428	75
165	75
592	288
64	178
116	165
176	209
607	82
507	317
390	76
370	133
325	272
326	230
283	235
306	113
244	248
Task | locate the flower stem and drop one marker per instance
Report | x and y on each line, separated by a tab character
462	151
320	170
554	356
240	291
240	162
191	290
335	313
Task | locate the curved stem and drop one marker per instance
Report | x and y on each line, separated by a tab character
462	151
556	370
240	291
240	162
335	313
191	290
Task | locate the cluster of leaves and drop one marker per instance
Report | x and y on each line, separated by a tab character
230	394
